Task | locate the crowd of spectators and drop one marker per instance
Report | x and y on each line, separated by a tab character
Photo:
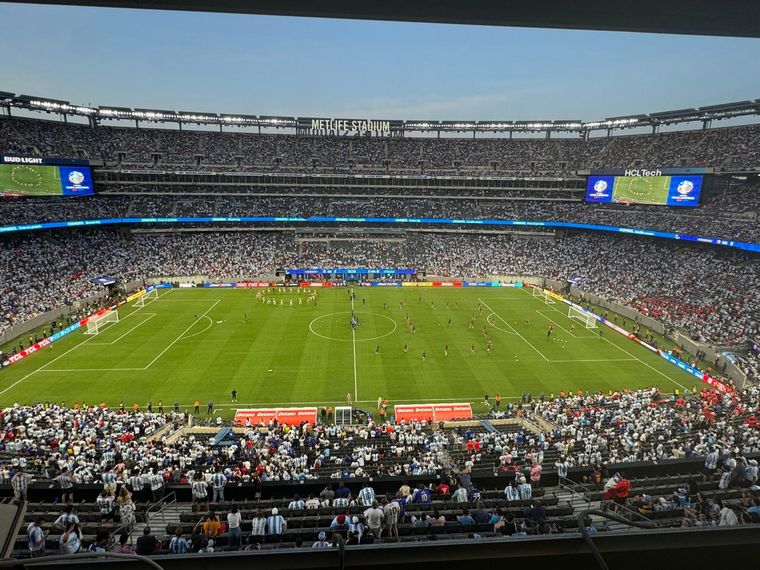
733	147
93	443
127	452
706	291
645	425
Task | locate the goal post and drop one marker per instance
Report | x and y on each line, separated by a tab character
588	319
548	299
97	322
152	294
543	294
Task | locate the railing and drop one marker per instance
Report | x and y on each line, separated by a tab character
576	489
161	507
628	512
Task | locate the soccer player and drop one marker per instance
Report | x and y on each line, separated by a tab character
406	348
572	327
446	350
424	356
527	321
234	395
600	334
449	321
245	317
349	399
472	349
549	332
377	349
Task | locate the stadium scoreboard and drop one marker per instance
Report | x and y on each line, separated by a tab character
642	186
35	176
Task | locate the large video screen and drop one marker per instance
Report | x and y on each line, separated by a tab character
45	180
674	190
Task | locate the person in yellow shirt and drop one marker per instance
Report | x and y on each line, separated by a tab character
212	526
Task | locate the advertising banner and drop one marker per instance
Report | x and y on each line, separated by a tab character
136	295
288	416
432	412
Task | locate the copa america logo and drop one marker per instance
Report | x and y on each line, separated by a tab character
600	186
76	177
685	187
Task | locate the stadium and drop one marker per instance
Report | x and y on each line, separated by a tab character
347	341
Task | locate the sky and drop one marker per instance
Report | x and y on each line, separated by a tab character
264	65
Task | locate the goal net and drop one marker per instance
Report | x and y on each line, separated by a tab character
97	322
588	319
544	295
152	294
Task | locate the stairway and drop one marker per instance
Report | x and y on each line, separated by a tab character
169	516
579	504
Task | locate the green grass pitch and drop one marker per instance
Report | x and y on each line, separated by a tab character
30	180
641	189
306	354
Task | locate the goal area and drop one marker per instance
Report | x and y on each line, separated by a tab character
97	322
544	295
588	319
152	294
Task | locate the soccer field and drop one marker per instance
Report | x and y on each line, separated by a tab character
30	180
642	189
198	344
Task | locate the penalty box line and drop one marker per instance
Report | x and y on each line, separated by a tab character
634	357
151	363
541	354
141	323
85	341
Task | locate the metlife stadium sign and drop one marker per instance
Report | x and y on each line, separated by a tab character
348	126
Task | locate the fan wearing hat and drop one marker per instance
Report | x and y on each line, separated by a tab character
276	525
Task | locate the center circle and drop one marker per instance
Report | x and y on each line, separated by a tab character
337	326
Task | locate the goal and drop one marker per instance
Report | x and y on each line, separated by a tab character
98	322
152	294
538	292
588	319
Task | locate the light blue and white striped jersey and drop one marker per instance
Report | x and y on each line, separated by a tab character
296	504
275	524
366	496
258	526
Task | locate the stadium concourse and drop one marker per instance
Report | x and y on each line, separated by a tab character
159	483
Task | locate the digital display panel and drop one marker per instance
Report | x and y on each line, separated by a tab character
673	190
45	180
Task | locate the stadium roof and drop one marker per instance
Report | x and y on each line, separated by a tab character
695	17
315	125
